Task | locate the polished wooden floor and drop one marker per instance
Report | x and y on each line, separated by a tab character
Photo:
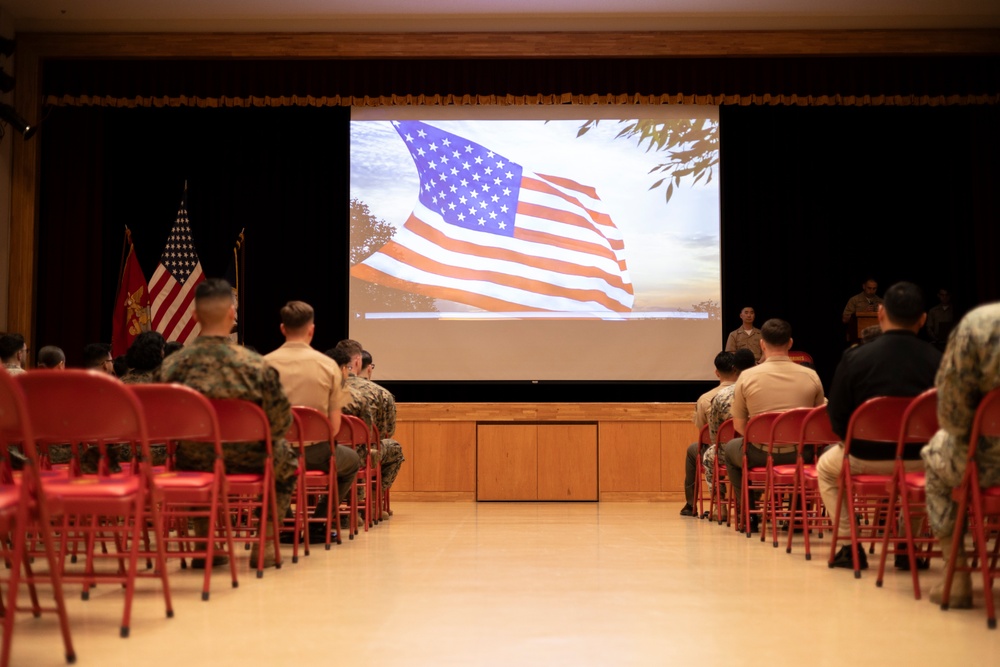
515	584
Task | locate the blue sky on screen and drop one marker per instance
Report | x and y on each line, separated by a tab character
672	249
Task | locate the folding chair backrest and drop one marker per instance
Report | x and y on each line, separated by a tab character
816	428
787	427
177	412
703	436
241	421
76	405
15	426
986	423
310	425
353	431
759	427
877	420
920	420
726	432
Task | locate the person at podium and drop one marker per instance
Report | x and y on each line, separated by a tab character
865	302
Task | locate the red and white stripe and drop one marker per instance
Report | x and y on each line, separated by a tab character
172	309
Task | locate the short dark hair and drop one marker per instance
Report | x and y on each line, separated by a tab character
366	359
868	334
95	354
213	288
776	332
903	304
172	346
743	359
120	366
10	344
351	347
146	351
50	356
339	355
297	314
723	362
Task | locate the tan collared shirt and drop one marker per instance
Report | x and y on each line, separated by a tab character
309	377
775	385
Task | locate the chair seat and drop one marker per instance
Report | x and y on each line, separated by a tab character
92	487
184	480
9	497
871	484
784	469
916	480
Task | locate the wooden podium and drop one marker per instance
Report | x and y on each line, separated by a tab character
858	323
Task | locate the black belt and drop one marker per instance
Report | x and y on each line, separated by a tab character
776	450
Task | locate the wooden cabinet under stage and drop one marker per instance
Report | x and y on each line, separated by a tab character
536	461
545	451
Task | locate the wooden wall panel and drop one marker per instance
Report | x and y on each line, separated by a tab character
404	436
567	462
444	456
674	441
507	462
629	457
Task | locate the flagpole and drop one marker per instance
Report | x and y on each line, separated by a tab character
241	280
126	242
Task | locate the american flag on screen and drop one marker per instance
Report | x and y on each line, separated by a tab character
490	234
171	289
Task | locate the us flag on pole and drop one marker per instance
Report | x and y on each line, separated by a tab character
488	233
172	286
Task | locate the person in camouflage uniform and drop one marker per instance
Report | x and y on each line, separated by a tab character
377	406
719	411
219	368
970	368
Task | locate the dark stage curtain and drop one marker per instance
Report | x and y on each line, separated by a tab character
279	173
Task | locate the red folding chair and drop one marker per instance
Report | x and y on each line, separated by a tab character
816	432
755	479
311	425
251	495
93	407
175	412
354	433
877	420
907	489
725	433
981	507
786	431
24	510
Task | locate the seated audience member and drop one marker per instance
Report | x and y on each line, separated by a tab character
367	367
868	334
97	356
312	379
747	337
219	368
720	410
377	406
143	358
120	366
51	357
725	372
897	363
969	370
775	384
13	353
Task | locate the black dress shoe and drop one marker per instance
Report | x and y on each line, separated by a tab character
903	562
687	510
843	558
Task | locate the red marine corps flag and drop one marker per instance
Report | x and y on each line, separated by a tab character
171	289
131	314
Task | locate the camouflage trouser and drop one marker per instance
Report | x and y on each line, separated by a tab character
944	461
708	463
245	457
90	456
391	458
